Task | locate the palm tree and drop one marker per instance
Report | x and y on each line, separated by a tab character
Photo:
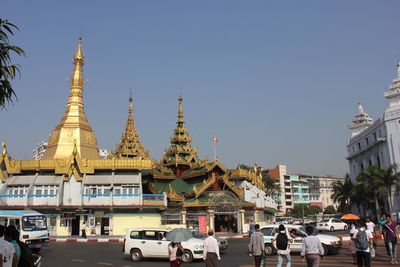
342	193
359	198
8	71
378	183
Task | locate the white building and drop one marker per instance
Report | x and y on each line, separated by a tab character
378	142
38	152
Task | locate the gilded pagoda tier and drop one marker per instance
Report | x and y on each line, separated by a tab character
180	152
74	129
130	145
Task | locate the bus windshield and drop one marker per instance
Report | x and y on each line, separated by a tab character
34	223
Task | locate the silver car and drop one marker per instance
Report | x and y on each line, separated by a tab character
222	242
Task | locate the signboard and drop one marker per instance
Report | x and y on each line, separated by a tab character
203	224
69	215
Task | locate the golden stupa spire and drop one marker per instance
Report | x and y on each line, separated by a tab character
74	128
180	151
130	146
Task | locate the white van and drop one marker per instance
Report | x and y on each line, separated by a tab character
31	225
142	243
331	244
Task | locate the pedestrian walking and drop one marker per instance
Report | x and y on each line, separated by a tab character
391	234
84	230
175	250
11	234
280	242
211	250
251	228
353	249
363	239
256	246
8	257
311	248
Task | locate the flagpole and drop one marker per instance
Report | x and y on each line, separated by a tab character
214	141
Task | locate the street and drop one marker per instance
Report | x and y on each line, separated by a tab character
110	254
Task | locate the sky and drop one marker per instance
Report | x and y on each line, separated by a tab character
276	81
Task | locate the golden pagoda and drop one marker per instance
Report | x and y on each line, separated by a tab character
180	155
74	128
130	146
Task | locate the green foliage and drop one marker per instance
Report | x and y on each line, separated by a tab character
343	193
297	211
8	71
330	210
272	186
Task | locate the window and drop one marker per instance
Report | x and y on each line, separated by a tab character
38	192
135	235
359	146
117	191
267	231
367	141
375	138
149	235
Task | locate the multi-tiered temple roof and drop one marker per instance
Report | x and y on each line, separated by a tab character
130	145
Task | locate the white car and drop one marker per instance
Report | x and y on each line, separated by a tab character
331	244
142	243
331	224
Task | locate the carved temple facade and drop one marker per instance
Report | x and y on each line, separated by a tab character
71	185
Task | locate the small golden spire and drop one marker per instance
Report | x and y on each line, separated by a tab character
79	53
180	109
130	145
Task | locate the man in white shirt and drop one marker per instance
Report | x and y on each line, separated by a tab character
211	250
8	258
363	246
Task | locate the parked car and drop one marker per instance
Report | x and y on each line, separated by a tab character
142	243
331	224
331	244
222	242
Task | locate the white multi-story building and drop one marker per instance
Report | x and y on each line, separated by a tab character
38	152
321	189
378	142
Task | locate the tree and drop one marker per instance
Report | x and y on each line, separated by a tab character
377	183
298	209
330	210
272	186
342	193
8	71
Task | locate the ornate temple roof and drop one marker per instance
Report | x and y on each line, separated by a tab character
130	146
180	151
361	119
74	164
74	128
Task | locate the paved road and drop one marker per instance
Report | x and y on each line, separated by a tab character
110	254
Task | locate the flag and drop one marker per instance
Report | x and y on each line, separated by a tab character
214	140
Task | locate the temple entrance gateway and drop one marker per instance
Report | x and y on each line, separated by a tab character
225	222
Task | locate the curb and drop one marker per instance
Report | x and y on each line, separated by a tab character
89	240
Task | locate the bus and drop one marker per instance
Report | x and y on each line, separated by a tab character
31	225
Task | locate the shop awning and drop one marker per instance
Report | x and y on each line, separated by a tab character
20	180
48	180
98	179
126	179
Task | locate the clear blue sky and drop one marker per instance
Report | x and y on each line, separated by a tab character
276	81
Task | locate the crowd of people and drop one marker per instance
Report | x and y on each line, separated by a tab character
13	252
364	234
363	241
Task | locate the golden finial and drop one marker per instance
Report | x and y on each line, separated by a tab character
3	144
180	109
79	52
75	150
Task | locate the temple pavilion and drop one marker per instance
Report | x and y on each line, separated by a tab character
72	185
